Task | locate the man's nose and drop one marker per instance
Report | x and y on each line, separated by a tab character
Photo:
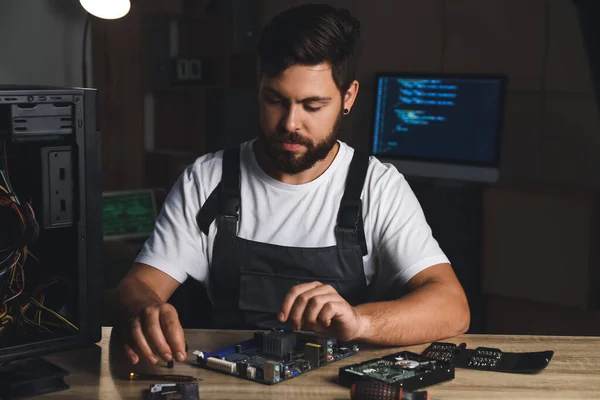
291	121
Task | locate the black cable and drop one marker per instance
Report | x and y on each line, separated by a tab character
18	219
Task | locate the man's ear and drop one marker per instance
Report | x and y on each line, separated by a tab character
350	95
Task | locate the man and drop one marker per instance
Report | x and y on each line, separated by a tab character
296	226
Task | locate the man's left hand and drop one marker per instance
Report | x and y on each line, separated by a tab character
320	308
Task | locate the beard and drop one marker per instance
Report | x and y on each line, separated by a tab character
290	163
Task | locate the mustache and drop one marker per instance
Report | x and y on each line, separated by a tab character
293	137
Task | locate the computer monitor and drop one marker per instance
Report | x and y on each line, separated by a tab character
439	125
128	214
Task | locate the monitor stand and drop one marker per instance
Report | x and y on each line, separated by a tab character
31	377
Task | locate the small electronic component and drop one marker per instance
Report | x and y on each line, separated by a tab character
279	344
441	351
313	353
272	357
272	371
302	365
241	368
222	365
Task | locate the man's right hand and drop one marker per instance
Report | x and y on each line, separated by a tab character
154	334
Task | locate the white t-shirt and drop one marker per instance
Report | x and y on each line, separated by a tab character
399	240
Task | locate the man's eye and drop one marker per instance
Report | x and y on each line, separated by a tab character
272	100
312	109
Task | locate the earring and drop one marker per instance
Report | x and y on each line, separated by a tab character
346	111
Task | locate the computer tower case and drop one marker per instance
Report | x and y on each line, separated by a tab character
50	221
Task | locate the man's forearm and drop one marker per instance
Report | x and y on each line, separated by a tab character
431	312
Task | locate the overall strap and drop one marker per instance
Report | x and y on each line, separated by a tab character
224	201
349	220
230	198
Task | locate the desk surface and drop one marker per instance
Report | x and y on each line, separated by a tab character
573	373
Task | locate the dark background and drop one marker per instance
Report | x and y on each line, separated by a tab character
525	248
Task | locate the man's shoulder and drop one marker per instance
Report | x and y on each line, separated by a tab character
206	164
378	168
208	168
382	173
383	178
374	163
204	174
378	173
215	159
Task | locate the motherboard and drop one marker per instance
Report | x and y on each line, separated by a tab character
406	370
273	357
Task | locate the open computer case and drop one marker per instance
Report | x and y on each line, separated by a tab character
50	226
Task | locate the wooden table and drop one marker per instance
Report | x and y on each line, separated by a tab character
573	373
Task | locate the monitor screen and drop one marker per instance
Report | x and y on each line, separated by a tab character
439	125
128	214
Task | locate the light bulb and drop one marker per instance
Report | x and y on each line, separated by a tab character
106	9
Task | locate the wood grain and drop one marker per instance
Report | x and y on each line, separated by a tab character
573	373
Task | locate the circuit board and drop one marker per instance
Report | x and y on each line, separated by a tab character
273	357
405	369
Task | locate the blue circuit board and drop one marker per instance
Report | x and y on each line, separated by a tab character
276	356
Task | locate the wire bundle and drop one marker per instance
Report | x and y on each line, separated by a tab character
36	305
20	229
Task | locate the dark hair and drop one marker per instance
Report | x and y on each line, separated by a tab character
311	34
